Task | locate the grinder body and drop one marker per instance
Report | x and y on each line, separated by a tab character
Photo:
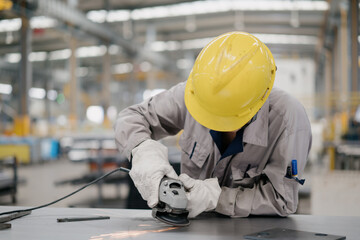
171	208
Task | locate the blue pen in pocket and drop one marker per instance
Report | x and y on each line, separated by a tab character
293	172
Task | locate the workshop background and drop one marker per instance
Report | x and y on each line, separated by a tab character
68	67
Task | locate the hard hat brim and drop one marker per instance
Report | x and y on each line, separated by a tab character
213	121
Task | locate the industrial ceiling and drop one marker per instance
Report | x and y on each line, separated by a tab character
175	27
163	33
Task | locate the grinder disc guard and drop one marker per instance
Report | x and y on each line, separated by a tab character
177	220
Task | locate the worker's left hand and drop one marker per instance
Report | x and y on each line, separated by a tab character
202	195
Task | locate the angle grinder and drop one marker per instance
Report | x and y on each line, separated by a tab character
171	208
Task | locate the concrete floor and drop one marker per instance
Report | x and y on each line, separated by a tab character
336	193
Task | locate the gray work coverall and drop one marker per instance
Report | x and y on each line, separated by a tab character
253	181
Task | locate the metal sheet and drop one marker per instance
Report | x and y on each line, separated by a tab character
138	224
285	234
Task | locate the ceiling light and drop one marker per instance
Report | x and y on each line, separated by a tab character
13	57
151	12
118	16
287	39
37	56
10	25
91	51
98	16
42	22
205	7
95	114
5	88
122	68
37	93
60	54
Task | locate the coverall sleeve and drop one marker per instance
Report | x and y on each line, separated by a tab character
274	193
155	118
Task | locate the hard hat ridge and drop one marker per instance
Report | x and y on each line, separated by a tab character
225	73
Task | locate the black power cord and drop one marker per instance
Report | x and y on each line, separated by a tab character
62	198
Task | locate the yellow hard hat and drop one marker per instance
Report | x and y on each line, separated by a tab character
230	81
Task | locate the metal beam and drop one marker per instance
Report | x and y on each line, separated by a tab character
344	59
354	12
74	17
73	117
213	32
128	5
25	68
106	79
312	20
22	120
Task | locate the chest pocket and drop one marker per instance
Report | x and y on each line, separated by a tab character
193	150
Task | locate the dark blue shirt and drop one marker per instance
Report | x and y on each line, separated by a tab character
236	146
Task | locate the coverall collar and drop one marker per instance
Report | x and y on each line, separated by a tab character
257	132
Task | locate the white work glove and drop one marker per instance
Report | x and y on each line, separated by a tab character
202	195
149	165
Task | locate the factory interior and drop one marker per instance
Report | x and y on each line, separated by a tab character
68	67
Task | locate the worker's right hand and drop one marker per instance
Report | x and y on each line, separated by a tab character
149	165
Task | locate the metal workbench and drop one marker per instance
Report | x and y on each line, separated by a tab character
138	224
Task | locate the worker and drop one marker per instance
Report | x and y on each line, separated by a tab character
239	135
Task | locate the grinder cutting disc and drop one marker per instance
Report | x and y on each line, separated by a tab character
177	220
